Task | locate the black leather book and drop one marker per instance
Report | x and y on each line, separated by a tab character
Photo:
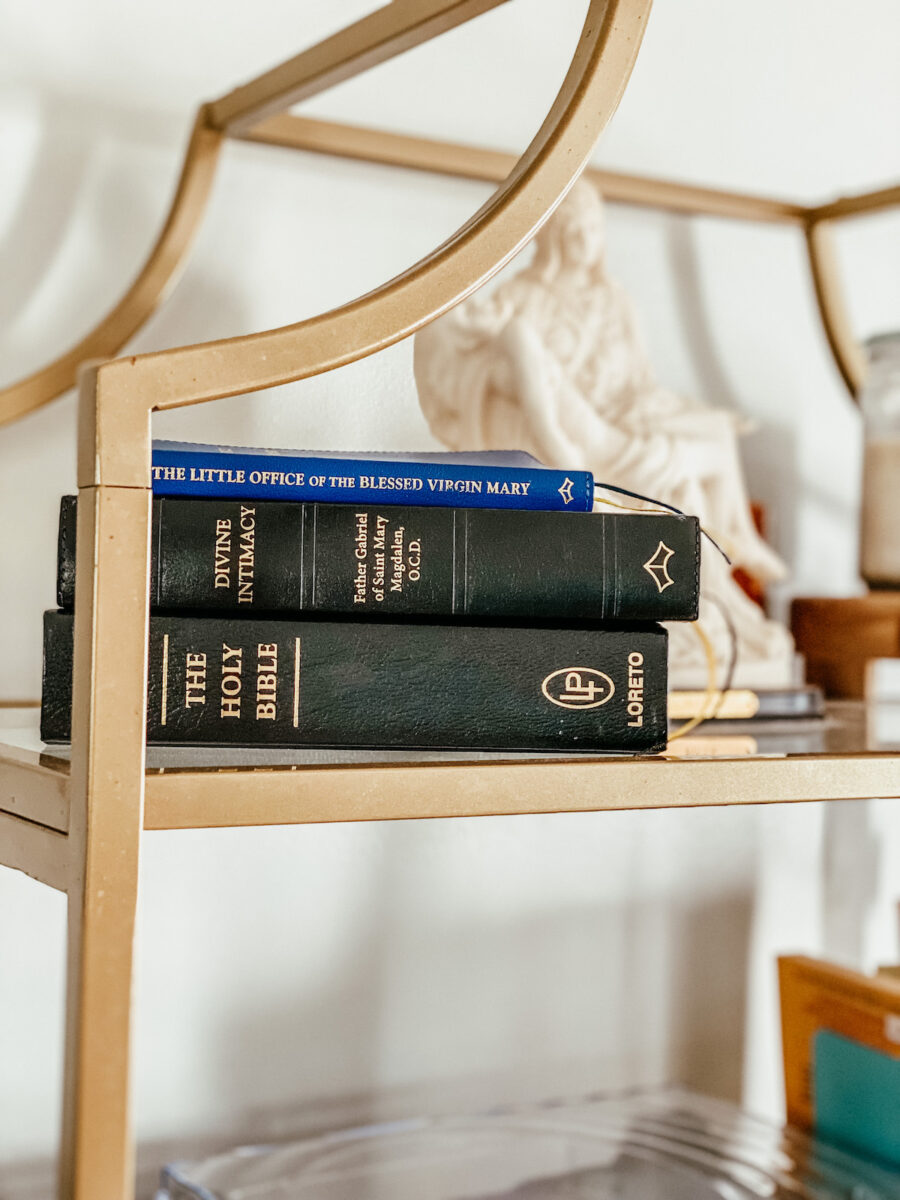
286	558
378	684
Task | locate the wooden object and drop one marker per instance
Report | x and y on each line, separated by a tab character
821	996
839	636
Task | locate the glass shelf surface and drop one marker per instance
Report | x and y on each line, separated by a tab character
669	1145
853	752
849	727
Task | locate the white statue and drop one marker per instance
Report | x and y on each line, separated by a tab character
551	362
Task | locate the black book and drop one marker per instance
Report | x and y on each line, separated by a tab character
377	684
284	558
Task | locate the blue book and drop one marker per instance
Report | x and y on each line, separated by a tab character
508	479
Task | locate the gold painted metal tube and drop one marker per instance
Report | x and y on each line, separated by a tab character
493	166
37	793
35	850
374	39
383	34
197	799
857	206
589	95
106	818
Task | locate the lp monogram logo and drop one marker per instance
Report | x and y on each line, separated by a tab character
578	687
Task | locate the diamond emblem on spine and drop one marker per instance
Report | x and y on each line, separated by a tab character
657	566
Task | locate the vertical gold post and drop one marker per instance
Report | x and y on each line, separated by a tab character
112	589
107	783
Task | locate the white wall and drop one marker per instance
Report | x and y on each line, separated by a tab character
281	967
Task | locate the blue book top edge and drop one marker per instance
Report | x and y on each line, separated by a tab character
486	458
488	479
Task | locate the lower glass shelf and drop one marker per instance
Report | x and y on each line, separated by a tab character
852	753
668	1145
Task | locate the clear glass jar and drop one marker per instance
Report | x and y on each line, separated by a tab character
880	402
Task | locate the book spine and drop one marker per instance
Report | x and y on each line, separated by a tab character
277	557
65	552
371	684
364	481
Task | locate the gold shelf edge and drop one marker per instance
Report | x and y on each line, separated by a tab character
288	796
37	851
32	789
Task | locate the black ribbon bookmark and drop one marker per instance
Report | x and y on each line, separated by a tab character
611	487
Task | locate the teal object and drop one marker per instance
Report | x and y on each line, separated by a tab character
856	1092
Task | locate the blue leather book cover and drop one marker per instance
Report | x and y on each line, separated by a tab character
466	480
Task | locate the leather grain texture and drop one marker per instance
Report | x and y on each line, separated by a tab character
372	684
281	558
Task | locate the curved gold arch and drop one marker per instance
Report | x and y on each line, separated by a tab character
383	34
594	83
245	113
848	353
150	288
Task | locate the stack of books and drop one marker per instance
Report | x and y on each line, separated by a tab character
454	602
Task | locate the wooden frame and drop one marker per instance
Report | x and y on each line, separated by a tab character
79	829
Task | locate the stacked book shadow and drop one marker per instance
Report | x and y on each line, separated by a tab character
386	625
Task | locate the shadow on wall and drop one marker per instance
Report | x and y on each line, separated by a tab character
56	212
693	316
94	194
85	200
852	871
469	1014
40	224
769	453
770	464
708	995
650	993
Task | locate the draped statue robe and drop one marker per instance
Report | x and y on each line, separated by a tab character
551	362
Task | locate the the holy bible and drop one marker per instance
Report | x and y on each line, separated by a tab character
381	684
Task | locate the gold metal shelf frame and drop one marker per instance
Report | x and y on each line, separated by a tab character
78	827
104	792
254	112
194	788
